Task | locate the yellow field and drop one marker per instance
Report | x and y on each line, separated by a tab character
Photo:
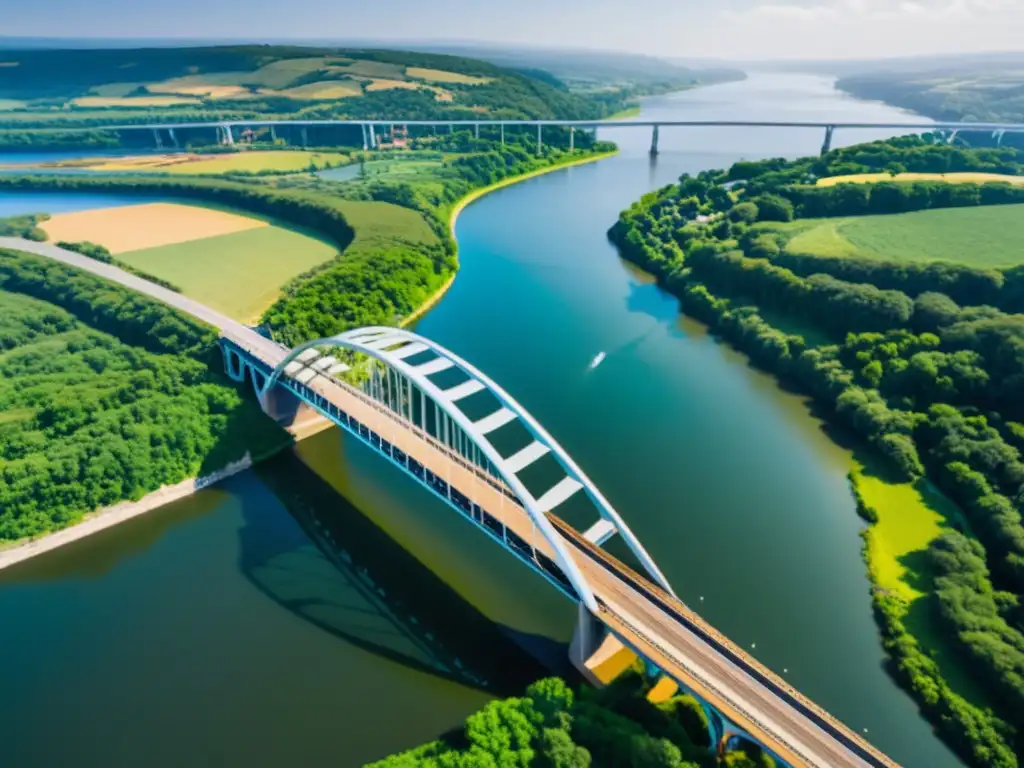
383	84
191	164
323	89
440	76
11	104
952	178
133	101
137	227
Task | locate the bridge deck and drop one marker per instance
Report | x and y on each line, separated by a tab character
646	618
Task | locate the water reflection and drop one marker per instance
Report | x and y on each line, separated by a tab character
351	580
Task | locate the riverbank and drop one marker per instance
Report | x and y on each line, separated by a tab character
118	513
476	194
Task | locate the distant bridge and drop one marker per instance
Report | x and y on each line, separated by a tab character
226	130
409	400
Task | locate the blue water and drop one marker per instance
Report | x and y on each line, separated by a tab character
20	203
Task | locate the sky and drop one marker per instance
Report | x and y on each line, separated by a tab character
727	29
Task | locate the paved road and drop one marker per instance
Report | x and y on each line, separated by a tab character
643	616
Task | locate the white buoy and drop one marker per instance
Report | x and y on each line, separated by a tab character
598	359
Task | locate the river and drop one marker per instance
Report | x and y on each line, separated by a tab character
215	630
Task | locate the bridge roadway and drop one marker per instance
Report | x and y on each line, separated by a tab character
920	125
644	617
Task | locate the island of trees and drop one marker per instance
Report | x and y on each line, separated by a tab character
553	726
923	360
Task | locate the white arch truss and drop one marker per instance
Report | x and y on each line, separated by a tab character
394	347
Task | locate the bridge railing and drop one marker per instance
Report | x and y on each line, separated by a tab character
678	609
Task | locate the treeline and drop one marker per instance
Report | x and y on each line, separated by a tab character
858	199
552	727
87	420
133	318
975	613
914	154
26	226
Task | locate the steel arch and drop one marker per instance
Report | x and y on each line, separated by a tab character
359	340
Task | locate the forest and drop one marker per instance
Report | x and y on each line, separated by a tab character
105	396
924	362
552	726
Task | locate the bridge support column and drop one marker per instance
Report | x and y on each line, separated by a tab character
998	136
476	130
156	138
654	141
273	134
305	137
826	147
572	138
540	141
234	366
595	652
174	138
229	139
373	137
502	128
451	127
366	137
952	136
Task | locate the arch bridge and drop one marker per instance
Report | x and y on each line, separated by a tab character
448	426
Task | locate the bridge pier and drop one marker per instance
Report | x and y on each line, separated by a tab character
654	141
229	139
540	142
234	366
156	138
366	137
305	137
572	138
273	134
826	146
598	655
998	136
174	139
476	130
373	137
502	127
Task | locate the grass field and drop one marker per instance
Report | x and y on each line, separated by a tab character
440	76
985	236
239	274
133	101
324	89
910	517
366	68
284	160
952	178
133	227
383	223
384	84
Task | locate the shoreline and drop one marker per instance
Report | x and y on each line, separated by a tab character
108	517
472	197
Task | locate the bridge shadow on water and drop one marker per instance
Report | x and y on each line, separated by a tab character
350	579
